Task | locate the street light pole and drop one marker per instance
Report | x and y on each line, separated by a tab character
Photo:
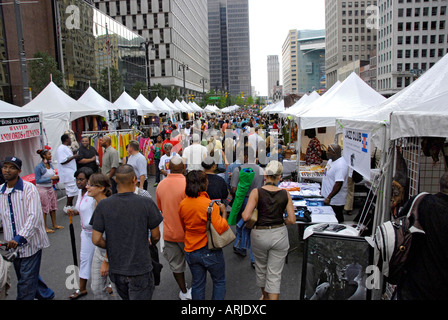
184	67
203	81
147	43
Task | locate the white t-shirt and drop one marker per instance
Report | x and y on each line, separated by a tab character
194	155
85	205
164	163
66	171
335	171
139	163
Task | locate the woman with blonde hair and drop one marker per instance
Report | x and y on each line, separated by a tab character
269	237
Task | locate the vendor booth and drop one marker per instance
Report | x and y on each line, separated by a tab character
20	135
409	129
58	111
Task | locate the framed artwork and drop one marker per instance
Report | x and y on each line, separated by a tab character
334	267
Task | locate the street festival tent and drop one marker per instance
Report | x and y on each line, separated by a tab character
126	102
419	110
271	107
197	107
20	135
301	104
278	108
141	99
58	111
212	109
170	105
186	106
179	106
193	105
94	100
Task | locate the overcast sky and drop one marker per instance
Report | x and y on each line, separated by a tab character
270	21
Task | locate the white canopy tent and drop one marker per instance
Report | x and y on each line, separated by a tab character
152	109
350	98
212	109
194	107
419	110
20	135
126	102
197	107
186	107
58	111
277	108
173	108
300	105
270	107
179	106
93	99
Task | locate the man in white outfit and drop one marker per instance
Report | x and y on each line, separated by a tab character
66	170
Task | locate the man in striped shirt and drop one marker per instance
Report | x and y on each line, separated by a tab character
23	227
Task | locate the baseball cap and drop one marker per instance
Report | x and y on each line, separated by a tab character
14	160
168	131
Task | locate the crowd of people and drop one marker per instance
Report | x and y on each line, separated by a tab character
232	163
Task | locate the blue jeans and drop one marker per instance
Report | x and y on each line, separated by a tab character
202	260
139	287
30	285
242	240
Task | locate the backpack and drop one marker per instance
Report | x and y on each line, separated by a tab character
393	239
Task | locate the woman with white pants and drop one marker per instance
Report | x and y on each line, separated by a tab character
269	237
85	205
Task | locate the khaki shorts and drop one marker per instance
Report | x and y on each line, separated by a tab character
175	255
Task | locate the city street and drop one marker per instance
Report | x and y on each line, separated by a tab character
240	274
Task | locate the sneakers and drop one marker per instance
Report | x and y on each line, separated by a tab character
186	295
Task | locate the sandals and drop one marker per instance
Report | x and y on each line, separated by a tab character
77	294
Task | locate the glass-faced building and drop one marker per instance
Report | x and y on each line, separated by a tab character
90	44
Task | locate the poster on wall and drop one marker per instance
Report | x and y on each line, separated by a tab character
18	128
357	150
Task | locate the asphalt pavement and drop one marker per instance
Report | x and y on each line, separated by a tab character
240	276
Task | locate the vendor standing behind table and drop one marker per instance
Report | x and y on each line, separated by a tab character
334	183
313	154
87	155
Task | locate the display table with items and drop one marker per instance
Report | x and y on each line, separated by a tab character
335	263
308	203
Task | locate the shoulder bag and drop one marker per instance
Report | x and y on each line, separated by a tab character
215	240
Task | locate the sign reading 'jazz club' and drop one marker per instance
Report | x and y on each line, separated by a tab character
12	129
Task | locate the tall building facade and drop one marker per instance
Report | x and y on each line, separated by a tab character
289	63
178	30
229	38
412	37
273	65
349	36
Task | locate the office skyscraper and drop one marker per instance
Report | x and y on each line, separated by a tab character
179	31
412	37
348	36
229	38
273	74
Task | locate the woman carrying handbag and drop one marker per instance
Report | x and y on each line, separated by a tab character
200	258
269	236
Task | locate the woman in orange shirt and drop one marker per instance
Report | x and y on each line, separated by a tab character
193	215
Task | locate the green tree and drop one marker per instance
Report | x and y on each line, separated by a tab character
116	84
250	101
137	88
42	70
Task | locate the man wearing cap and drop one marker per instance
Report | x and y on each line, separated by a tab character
23	228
